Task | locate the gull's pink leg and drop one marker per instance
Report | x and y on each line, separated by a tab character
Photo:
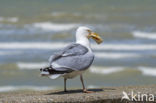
84	89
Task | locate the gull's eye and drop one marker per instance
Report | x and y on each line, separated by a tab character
89	31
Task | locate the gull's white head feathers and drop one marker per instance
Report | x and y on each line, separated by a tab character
81	36
84	33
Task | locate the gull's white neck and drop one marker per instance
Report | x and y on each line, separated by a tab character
83	41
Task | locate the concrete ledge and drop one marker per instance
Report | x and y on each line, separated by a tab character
100	95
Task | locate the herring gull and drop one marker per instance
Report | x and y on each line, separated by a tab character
74	59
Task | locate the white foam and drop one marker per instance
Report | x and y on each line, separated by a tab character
116	55
58	13
148	71
60	45
105	70
125	47
15	88
33	45
30	66
146	35
92	86
54	27
9	19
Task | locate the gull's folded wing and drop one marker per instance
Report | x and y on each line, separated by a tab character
73	57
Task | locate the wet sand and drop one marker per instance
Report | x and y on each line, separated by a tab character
100	95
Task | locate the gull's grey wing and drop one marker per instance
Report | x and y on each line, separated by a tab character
73	57
69	50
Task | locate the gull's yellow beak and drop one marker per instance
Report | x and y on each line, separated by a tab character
96	37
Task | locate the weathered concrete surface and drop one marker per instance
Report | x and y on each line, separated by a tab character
101	95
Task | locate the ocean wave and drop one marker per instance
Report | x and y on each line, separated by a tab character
16	88
77	15
9	19
2	53
106	70
116	55
92	86
54	27
31	45
20	31
31	66
125	47
63	14
148	71
146	35
93	69
38	65
60	45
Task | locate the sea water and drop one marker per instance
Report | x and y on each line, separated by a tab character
32	30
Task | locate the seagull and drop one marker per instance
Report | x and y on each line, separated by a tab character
74	59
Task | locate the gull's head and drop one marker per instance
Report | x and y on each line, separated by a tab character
84	33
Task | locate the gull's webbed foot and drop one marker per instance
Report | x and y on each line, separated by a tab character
86	91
